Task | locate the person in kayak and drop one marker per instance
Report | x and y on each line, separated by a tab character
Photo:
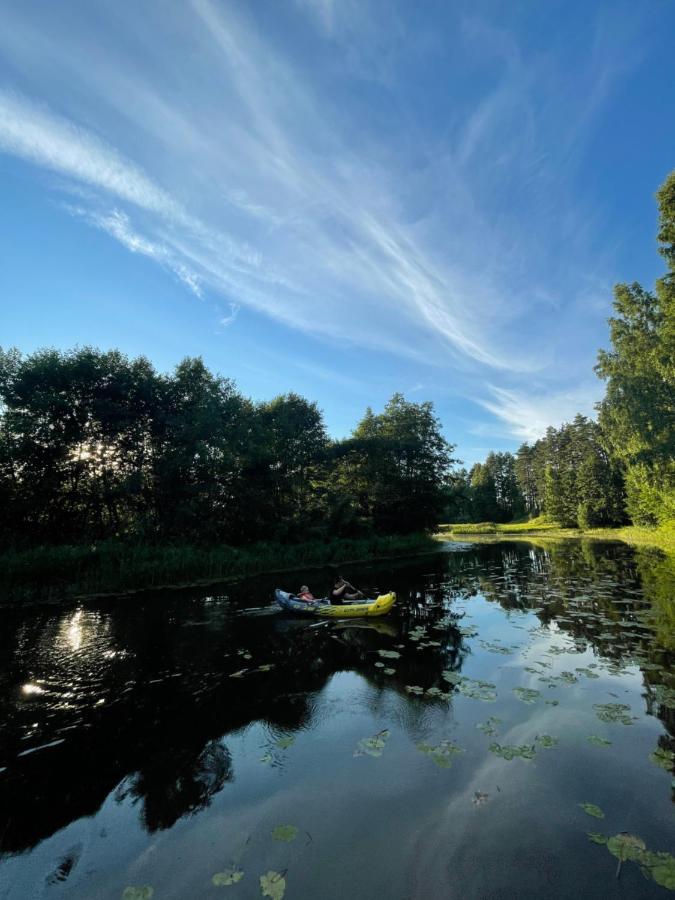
343	590
305	594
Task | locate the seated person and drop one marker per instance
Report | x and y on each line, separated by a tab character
343	590
305	594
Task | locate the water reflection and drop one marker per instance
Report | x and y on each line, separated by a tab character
140	703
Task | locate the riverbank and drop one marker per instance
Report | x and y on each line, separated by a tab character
51	574
662	537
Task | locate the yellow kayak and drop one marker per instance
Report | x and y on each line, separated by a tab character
378	607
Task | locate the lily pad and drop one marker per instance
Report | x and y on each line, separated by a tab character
239	674
451	677
527	695
273	885
138	892
414	689
546	740
598	741
592	810
511	751
597	837
285	833
389	654
379	665
267	758
229	876
489	727
478	690
283	743
626	846
663	758
441	753
661	867
613	712
373	746
479	798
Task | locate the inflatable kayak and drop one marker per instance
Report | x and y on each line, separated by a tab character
380	606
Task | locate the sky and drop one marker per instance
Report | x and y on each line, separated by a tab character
342	198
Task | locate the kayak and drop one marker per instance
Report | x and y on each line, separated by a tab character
379	606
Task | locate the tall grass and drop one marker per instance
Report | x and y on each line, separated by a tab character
47	573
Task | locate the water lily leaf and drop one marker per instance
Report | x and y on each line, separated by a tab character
663	758
140	892
283	743
229	876
389	671
265	667
587	672
613	712
273	885
546	740
552	702
661	867
390	654
592	810
490	726
596	837
511	751
598	741
626	846
285	833
379	665
527	695
414	689
477	690
239	674
479	798
373	746
451	677
441	753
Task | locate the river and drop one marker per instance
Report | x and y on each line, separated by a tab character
197	744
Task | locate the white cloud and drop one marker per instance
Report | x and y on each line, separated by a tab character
528	415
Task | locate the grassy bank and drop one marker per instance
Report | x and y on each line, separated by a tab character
543	529
53	573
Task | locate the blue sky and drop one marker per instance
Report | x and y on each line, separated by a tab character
339	197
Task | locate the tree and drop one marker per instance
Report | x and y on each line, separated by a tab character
637	415
401	465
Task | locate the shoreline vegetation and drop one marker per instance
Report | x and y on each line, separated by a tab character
112	568
661	537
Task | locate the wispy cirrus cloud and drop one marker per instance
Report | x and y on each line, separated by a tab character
416	211
528	415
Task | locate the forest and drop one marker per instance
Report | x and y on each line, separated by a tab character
96	446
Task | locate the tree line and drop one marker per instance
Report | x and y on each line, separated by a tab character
94	445
620	468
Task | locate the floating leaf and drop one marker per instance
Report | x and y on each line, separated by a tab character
511	751
229	876
414	689
598	741
265	667
389	671
626	846
239	674
441	753
379	665
490	726
451	677
273	885
373	746
613	712
661	867
141	892
267	758
552	702
479	798
592	810
283	743
663	758
546	740
477	690
596	837
285	833
527	695
390	654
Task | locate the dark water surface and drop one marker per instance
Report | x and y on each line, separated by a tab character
155	742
